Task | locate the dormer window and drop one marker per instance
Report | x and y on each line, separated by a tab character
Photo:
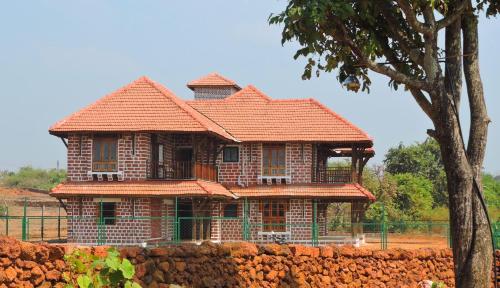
104	154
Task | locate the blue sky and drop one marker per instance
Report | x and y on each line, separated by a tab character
58	56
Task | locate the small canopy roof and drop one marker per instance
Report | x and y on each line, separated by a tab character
341	192
142	188
212	80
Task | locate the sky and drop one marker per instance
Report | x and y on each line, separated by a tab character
59	56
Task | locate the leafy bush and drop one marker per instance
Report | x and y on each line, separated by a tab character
90	271
34	178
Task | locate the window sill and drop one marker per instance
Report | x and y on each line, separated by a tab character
276	179
109	175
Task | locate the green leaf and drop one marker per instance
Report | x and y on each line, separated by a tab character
113	262
130	284
127	268
84	281
115	277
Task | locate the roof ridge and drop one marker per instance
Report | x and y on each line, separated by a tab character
213	74
326	109
247	88
187	108
98	101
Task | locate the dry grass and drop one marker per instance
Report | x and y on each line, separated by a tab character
37	204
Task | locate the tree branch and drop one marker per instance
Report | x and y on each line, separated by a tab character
423	102
372	65
403	40
452	16
479	119
412	18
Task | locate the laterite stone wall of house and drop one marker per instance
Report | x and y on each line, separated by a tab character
223	228
79	157
246	171
83	217
134	166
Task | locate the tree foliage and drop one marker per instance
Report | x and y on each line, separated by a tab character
421	159
402	39
33	178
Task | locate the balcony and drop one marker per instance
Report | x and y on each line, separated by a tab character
181	170
332	175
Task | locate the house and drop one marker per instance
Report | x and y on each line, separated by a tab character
145	166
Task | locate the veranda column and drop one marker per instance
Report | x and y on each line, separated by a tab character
357	217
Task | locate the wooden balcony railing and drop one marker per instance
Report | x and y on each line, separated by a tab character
176	171
180	170
206	172
333	175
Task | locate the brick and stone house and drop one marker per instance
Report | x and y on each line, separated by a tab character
233	164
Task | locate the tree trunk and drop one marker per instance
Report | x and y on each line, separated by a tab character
471	238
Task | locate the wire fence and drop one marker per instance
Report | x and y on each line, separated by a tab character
36	220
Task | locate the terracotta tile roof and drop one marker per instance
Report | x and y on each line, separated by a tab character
332	191
212	79
142	105
250	115
142	188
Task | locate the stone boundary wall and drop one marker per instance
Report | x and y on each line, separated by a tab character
239	265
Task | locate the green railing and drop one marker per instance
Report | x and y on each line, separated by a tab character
173	229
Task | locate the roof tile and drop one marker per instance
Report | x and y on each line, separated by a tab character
142	105
142	188
334	191
250	115
212	79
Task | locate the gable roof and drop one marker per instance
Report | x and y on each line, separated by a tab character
250	115
212	79
142	105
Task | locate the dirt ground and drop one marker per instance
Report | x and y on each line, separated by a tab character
409	241
53	224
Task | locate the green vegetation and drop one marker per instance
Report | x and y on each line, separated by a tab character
90	271
411	185
32	178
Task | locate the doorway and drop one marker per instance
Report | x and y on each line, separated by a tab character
183	167
185	214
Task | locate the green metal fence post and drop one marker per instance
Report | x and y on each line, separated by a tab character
24	222
7	221
315	224
246	224
384	230
59	222
176	223
99	225
42	222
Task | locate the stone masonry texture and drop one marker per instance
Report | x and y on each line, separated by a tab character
238	265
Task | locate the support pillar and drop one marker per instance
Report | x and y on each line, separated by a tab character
357	216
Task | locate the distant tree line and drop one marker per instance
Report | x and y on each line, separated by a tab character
32	178
411	185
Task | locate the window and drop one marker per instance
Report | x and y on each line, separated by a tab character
273	215
107	212
273	160
231	154
104	157
231	210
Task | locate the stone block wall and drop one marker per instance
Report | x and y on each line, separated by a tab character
239	265
248	169
83	217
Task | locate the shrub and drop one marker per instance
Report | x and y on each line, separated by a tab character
90	271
